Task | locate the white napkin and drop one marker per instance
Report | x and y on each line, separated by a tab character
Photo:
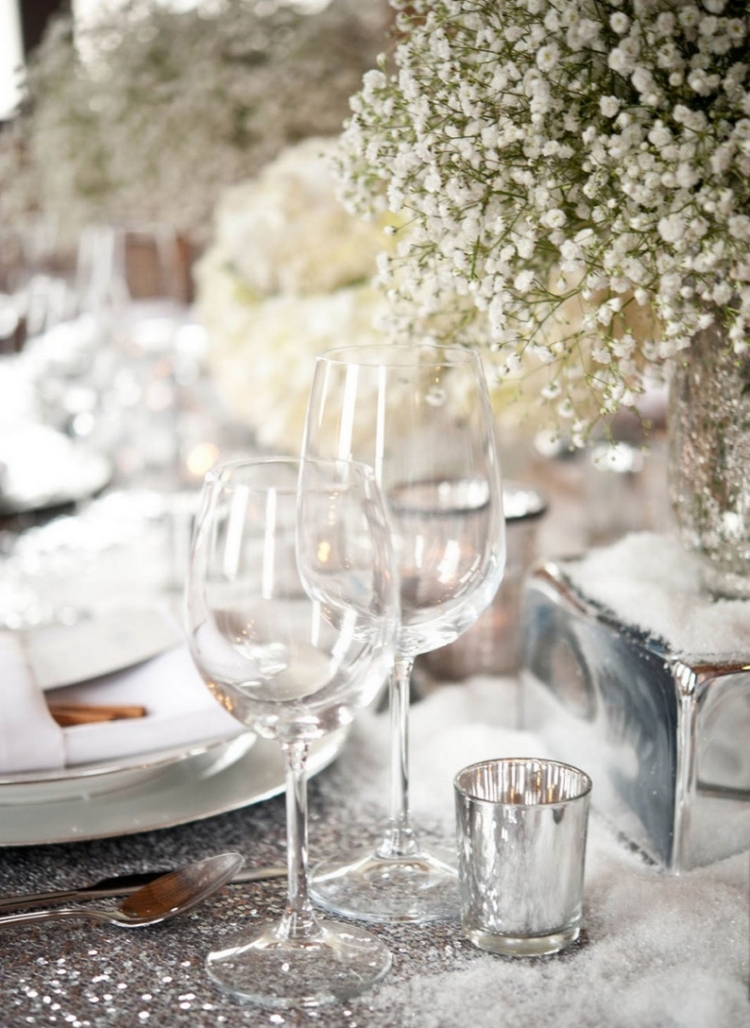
30	739
180	711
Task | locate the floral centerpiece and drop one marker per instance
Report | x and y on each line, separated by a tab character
575	177
288	275
151	110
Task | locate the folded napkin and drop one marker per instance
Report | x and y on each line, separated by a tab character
180	711
30	739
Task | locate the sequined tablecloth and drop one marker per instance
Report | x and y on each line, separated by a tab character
658	950
79	974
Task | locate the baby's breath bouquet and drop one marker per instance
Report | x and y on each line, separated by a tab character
575	177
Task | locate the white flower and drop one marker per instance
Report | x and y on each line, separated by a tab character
286	232
722	293
262	356
432	181
689	16
372	81
702	83
188	99
625	347
670	284
721	159
739	227
665	23
736	30
547	57
619	60
609	106
591	175
286	277
554	218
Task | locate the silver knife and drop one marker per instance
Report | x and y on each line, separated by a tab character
120	885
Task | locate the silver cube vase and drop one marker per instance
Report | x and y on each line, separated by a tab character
664	736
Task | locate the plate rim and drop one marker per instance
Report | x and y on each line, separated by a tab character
148	760
263	756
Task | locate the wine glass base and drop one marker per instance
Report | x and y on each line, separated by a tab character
418	888
339	961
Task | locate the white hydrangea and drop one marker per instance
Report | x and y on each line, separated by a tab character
288	275
585	201
285	232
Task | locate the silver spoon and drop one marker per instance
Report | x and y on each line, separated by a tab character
120	885
165	897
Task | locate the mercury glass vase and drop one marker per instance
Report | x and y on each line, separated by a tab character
709	459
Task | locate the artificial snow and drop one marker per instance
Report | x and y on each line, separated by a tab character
661	950
649	581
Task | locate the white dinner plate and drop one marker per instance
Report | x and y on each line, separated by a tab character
72	782
215	780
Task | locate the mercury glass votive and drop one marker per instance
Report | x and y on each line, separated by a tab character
521	828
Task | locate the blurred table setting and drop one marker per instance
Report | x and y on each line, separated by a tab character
115	759
117	797
185	324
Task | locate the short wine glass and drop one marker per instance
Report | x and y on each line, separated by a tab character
292	607
420	416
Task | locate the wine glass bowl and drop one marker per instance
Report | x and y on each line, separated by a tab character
445	535
420	416
292	607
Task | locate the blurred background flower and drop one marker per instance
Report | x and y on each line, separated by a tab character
149	111
286	276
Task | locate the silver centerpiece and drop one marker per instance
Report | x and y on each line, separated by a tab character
663	735
709	459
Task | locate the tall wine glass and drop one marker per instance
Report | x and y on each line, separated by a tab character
421	417
292	611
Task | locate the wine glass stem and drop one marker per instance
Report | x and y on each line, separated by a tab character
399	840
299	919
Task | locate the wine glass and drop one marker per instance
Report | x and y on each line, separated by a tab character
132	299
421	417
292	608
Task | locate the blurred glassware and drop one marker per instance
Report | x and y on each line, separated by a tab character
625	490
37	282
124	375
135	270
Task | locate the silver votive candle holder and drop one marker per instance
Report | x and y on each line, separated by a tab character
521	827
493	645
